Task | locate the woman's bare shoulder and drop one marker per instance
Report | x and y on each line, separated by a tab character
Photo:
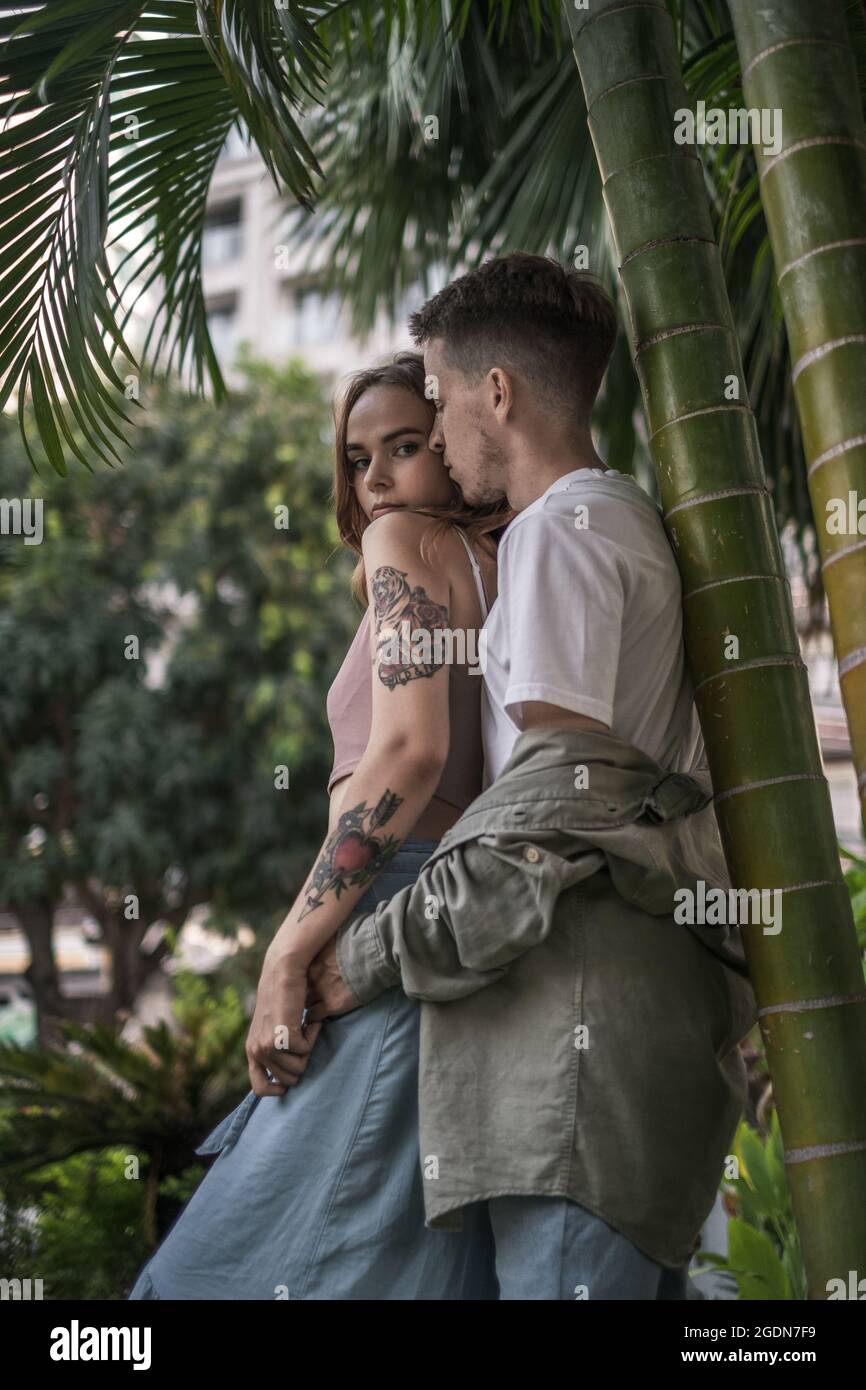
398	528
404	530
400	522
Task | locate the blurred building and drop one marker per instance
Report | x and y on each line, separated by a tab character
260	292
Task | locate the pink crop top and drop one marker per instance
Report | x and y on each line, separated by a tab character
350	713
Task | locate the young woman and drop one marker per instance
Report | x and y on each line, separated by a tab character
317	1191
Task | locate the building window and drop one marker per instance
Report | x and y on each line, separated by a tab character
222	322
313	316
222	239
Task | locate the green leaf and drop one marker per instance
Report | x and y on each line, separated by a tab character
76	76
752	1256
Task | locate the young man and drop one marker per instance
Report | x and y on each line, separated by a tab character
587	630
586	634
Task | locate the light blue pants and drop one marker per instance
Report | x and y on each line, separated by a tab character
318	1194
551	1248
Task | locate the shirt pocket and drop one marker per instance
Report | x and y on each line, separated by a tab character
228	1130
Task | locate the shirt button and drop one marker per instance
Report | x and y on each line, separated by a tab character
532	854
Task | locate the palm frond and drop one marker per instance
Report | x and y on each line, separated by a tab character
444	139
98	1089
270	57
55	283
112	116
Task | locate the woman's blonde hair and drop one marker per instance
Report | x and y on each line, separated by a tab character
406	370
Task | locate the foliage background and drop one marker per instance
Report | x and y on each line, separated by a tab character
117	779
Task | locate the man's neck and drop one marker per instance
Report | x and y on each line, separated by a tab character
533	470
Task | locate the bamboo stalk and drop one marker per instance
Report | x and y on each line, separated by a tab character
772	798
796	59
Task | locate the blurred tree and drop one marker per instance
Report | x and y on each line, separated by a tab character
109	1101
167	649
79	1224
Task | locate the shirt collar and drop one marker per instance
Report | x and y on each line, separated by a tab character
566	481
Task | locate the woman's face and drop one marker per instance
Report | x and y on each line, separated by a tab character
390	461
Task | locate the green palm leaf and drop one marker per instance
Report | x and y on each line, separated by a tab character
54	278
112	116
445	136
116	111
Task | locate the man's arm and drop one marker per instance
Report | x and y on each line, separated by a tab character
470	913
485	908
465	919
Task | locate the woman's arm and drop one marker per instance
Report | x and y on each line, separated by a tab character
408	746
390	787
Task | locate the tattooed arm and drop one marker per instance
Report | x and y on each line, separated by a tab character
390	787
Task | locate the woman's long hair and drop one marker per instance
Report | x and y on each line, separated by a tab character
404	369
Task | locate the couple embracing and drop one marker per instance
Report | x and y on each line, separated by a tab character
485	1061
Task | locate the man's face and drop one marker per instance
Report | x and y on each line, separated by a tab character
465	431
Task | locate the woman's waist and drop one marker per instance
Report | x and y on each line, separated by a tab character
414	846
437	817
400	871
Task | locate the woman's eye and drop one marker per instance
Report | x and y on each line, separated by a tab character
411	447
360	463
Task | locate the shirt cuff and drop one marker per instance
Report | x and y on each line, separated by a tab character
361	959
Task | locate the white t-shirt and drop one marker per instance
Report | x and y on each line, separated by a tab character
589	617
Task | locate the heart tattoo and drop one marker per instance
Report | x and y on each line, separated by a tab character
353	855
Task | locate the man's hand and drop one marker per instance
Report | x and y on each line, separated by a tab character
329	994
277	1042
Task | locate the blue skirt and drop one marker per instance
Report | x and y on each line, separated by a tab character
317	1194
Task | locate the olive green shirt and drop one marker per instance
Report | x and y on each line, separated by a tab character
575	1039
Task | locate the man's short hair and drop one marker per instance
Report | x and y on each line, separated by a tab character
552	326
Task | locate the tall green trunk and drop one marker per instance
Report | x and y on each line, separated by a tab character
796	59
752	694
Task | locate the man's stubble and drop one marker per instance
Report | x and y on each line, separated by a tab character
488	484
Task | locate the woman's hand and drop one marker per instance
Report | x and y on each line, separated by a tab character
329	994
277	1040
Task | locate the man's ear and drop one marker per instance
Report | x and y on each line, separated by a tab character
500	384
